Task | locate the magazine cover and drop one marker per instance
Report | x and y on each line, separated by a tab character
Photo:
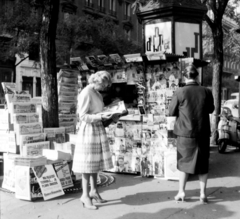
62	98
4	140
4	119
12	142
67	93
62	87
116	58
9	87
22	182
30	161
30	138
67	117
70	129
118	76
170	165
68	80
146	166
77	61
18	107
67	124
9	171
64	174
17	98
35	149
21	118
28	128
158	164
69	73
67	108
55	134
49	183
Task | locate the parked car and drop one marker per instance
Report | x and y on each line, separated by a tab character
233	106
235	96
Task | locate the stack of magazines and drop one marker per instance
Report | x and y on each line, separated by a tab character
67	97
30	161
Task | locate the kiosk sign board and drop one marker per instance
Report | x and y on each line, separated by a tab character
158	38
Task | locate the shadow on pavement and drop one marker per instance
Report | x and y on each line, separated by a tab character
215	195
198	212
192	208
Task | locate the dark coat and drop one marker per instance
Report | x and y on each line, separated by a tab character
192	105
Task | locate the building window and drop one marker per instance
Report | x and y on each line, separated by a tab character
127	34
101	6
112	7
127	11
89	3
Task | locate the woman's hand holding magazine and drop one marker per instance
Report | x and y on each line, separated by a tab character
113	112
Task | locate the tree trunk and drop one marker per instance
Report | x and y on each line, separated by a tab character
217	77
48	64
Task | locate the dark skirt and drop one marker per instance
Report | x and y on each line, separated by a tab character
193	154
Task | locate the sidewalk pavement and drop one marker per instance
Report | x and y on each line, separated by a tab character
134	197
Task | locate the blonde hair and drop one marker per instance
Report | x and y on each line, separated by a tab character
99	77
191	72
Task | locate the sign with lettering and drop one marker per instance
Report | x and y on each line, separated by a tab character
64	174
187	38
158	38
49	183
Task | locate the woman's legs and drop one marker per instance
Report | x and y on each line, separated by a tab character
85	189
93	183
94	194
203	184
183	177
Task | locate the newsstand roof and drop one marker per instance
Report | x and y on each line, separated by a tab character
148	9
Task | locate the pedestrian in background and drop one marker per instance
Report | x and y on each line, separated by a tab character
92	152
192	105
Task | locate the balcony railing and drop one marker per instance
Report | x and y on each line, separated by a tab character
102	9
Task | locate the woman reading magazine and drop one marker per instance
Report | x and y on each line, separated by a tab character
92	153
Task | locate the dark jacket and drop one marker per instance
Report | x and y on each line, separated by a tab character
192	105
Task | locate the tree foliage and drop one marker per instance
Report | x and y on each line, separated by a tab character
33	25
219	35
87	35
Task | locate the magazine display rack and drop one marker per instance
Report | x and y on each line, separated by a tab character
143	142
37	161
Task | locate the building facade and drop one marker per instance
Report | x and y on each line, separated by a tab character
119	11
28	73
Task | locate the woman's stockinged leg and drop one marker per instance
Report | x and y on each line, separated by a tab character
203	184
93	183
85	189
94	194
183	177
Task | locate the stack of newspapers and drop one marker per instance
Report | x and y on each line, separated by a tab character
67	98
30	161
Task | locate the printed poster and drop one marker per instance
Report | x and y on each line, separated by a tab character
35	149
64	174
9	171
49	183
170	165
22	182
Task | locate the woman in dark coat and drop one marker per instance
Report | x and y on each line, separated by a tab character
192	105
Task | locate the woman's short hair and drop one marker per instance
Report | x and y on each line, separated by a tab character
191	72
99	77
